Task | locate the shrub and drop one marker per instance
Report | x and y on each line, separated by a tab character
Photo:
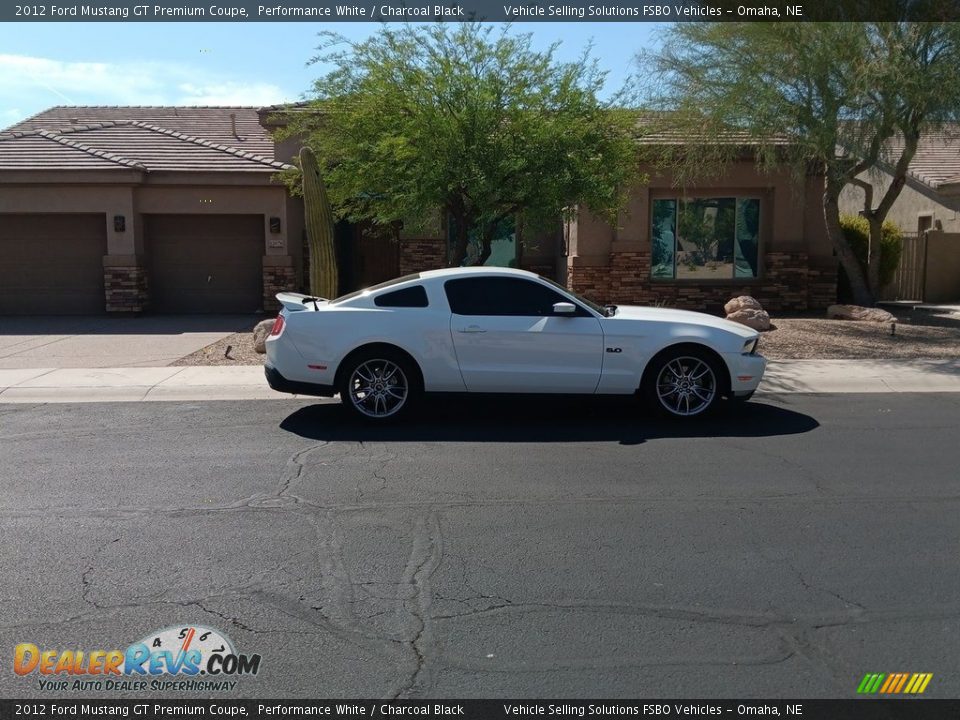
857	232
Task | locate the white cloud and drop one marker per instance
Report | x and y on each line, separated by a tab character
34	83
230	93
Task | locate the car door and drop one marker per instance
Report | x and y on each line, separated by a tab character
507	337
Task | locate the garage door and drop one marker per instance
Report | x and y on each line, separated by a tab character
205	263
52	264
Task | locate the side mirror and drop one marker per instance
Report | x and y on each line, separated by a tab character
564	308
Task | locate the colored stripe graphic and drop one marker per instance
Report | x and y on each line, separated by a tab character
894	683
899	687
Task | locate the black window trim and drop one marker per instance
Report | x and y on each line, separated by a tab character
582	311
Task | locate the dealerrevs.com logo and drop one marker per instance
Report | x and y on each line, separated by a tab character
188	658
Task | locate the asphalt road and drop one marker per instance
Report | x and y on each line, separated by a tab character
520	550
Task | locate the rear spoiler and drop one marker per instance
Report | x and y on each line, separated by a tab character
295	302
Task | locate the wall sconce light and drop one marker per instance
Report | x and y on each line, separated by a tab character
119	223
274	224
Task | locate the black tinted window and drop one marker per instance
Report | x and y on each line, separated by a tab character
500	296
413	297
378	286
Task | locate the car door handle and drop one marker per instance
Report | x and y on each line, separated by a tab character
472	329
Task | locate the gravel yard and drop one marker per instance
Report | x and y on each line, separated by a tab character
918	335
236	349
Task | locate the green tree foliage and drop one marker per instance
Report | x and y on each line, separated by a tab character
467	119
856	230
837	99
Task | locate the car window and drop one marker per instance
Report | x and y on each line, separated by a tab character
379	286
501	296
411	297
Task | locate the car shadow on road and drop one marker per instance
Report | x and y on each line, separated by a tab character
543	420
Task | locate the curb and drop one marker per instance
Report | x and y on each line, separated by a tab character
246	382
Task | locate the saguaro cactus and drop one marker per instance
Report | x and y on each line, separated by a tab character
319	220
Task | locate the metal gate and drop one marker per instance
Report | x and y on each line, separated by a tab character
377	256
909	279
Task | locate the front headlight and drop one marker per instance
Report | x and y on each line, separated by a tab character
750	346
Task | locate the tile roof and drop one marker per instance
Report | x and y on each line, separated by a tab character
210	123
28	151
937	161
668	129
128	144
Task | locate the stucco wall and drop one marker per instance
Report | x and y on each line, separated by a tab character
916	199
166	193
611	262
942	283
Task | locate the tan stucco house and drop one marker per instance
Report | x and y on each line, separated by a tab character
930	199
178	209
123	209
747	232
927	211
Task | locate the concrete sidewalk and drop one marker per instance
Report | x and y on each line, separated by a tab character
50	385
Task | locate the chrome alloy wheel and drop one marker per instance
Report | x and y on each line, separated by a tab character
378	388
686	386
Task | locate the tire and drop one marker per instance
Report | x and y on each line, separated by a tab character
684	383
379	385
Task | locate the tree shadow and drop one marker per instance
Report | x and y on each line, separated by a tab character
543	419
31	325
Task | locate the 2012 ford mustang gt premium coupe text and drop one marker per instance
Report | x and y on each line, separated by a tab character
500	330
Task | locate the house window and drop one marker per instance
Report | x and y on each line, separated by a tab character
709	238
503	247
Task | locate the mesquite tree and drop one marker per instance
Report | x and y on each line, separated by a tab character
469	120
841	99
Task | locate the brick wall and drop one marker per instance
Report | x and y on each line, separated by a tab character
547	270
821	288
276	278
787	284
125	289
417	255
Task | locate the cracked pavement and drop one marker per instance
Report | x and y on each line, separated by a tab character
490	549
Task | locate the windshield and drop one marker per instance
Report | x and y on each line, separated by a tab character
592	305
379	286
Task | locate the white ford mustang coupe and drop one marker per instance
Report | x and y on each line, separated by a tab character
498	330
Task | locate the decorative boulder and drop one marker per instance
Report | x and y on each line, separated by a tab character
858	313
743	302
751	317
260	333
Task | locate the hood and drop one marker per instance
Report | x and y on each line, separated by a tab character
670	315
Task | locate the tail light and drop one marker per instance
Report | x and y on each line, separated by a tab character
277	326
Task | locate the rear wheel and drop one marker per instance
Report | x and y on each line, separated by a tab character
684	383
379	385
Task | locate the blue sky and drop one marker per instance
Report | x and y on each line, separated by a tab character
46	64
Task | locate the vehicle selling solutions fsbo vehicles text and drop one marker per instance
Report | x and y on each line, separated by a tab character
626	11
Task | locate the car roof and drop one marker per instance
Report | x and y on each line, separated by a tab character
474	270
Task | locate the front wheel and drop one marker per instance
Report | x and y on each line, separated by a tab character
684	383
379	385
